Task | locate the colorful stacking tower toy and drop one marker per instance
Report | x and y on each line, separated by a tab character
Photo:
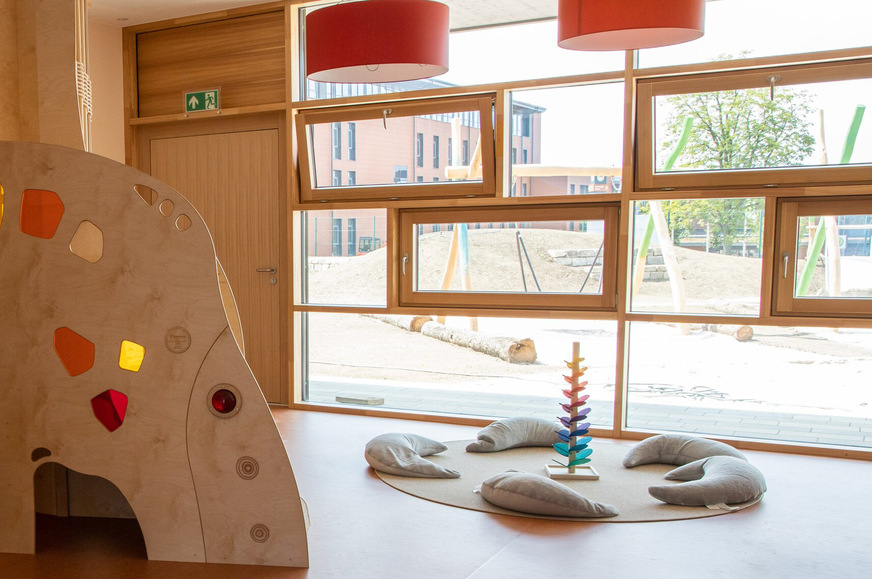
575	439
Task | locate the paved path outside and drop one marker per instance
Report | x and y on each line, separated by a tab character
757	424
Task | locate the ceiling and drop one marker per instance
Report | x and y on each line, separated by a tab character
463	13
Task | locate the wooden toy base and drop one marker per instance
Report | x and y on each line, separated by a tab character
581	472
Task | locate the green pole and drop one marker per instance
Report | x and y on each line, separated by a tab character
686	130
817	244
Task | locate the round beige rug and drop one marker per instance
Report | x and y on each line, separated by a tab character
625	488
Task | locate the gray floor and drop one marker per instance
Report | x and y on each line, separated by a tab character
756	424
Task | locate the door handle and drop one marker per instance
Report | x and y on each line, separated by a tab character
266	270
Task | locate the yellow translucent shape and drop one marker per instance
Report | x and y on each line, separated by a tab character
131	357
1	205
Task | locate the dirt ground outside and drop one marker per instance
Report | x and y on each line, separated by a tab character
811	370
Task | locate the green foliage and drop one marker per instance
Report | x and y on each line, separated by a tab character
735	129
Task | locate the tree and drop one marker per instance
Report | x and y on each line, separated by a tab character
735	129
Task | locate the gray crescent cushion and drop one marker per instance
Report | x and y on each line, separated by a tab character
400	454
677	449
715	480
514	433
539	495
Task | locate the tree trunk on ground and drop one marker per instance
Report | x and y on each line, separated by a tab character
410	323
508	349
742	333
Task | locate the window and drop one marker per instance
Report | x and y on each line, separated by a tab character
337	177
435	151
337	140
352	178
768	120
450	151
419	149
352	236
352	142
419	179
337	237
824	257
567	142
545	267
465	154
390	124
401	174
572	188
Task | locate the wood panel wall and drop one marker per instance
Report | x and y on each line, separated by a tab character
244	57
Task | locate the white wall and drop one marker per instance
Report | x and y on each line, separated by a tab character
107	72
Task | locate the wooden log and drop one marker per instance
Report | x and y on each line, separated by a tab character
409	323
508	349
742	333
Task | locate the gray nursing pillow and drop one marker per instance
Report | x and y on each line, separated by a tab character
514	433
717	480
677	449
539	495
400	454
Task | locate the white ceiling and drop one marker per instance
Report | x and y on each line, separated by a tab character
464	13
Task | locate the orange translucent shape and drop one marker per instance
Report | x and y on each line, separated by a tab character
75	352
2	202
110	407
41	213
131	356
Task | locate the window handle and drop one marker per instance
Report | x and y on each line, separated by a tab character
385	114
785	258
405	260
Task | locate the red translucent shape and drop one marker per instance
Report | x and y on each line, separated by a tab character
75	352
109	408
224	401
41	213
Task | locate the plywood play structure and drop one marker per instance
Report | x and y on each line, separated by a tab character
118	361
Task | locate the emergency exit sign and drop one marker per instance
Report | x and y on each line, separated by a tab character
203	100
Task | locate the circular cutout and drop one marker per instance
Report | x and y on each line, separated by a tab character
183	222
166	207
260	533
247	468
40	453
177	340
224	401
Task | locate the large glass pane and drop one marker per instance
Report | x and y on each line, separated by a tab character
563	257
834	257
391	151
785	126
567	141
389	362
777	27
346	257
806	385
701	256
486	55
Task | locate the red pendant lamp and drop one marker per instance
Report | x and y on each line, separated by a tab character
377	41
628	24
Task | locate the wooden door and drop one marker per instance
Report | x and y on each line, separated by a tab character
235	180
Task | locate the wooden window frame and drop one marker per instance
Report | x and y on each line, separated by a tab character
484	187
648	89
606	301
784	274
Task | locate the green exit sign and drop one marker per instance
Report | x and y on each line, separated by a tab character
203	100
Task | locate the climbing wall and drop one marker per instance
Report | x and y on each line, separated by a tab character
117	360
